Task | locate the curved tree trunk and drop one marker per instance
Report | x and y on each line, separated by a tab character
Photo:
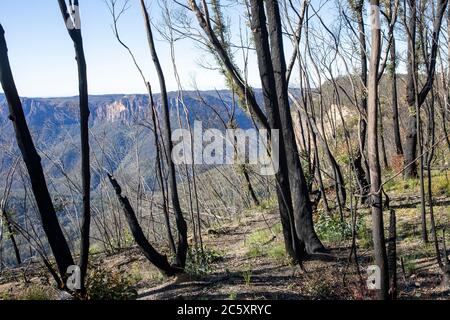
150	253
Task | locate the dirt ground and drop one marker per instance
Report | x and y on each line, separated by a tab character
249	269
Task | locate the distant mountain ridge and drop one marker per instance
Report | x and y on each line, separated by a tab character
118	123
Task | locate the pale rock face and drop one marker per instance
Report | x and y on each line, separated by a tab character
115	111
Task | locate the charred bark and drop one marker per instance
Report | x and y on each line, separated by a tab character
374	158
150	253
293	242
299	189
75	35
32	160
182	246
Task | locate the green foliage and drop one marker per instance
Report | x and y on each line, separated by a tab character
410	266
104	284
264	243
200	263
256	241
331	228
125	241
440	185
35	293
365	239
157	277
277	252
247	276
5	296
232	296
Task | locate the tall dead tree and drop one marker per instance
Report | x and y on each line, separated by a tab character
159	260
266	71
71	19
360	160
32	160
416	96
391	17
299	188
373	155
182	246
301	209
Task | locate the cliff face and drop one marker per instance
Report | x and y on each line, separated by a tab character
127	109
118	125
64	111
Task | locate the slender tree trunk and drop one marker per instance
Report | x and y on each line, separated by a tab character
249	185
50	224
152	255
360	160
159	170
180	222
411	137
394	99
374	159
10	229
77	39
392	255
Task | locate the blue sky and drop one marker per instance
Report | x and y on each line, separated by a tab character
42	55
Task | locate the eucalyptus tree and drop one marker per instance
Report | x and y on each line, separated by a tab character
30	156
299	195
71	17
373	154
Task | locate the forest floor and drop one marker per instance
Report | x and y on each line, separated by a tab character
245	259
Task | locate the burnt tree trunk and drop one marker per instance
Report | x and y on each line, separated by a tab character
150	253
167	132
75	35
360	160
159	170
258	25
394	98
32	160
392	255
374	158
299	190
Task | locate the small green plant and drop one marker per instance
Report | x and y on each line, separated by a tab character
364	234
247	276
135	273
104	284
200	262
331	228
257	242
277	252
410	266
440	185
35	293
157	277
5	296
318	288
232	296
